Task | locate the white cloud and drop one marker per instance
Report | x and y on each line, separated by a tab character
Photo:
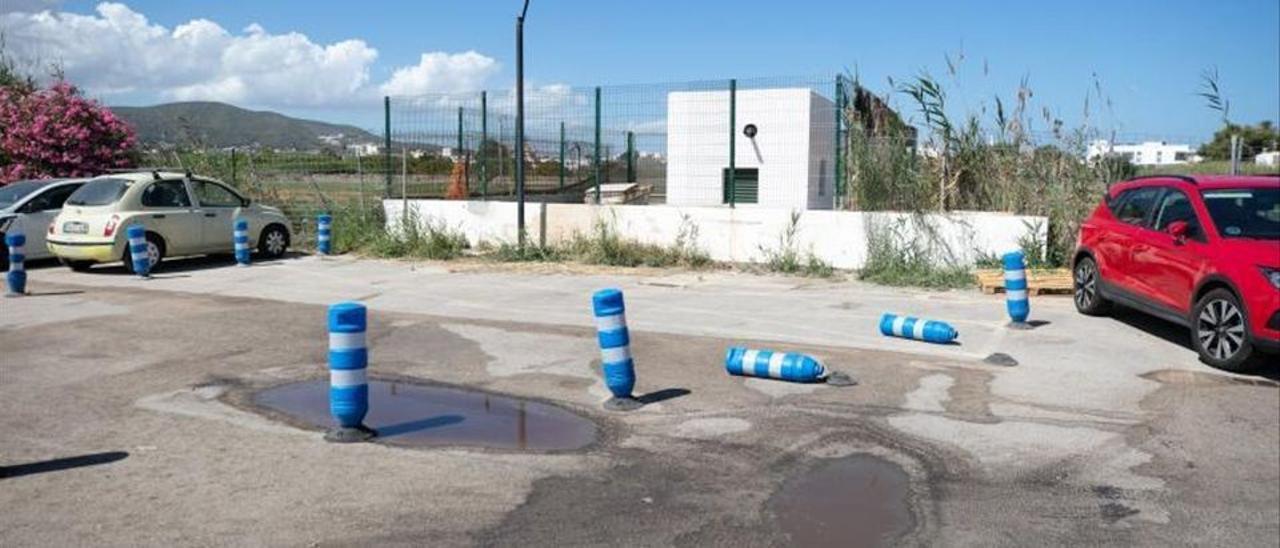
442	73
117	50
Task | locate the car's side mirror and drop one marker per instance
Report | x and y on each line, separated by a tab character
1179	230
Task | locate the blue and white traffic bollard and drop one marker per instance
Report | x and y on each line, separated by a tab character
240	235
348	364
615	349
1015	288
892	325
138	250
788	366
324	224
16	278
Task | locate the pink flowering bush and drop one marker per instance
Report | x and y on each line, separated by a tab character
55	132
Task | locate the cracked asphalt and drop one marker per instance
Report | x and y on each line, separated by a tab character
127	414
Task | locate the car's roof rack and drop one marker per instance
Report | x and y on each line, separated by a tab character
145	169
155	171
1185	178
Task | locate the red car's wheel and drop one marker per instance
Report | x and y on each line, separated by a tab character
1220	331
1085	281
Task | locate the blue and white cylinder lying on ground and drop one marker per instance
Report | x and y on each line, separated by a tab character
240	236
138	250
1015	286
348	364
789	366
324	225
893	325
615	342
16	278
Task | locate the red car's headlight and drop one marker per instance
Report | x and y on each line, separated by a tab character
1272	275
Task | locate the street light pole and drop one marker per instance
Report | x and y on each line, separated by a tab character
520	125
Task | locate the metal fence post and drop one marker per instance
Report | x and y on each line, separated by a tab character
733	138
233	166
561	155
631	157
386	144
837	178
466	173
484	136
597	147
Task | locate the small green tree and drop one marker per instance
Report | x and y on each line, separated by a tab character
1254	139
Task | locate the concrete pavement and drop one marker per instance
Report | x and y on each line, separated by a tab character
1109	430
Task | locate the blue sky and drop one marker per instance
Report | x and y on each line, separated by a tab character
1147	55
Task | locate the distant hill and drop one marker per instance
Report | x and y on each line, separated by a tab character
211	124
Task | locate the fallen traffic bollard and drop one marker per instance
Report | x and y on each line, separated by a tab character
788	366
16	278
138	251
1015	289
324	225
348	363
893	325
615	349
240	236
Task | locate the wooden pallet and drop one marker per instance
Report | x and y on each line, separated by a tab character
1056	281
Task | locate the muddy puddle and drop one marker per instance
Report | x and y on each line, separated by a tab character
418	415
854	501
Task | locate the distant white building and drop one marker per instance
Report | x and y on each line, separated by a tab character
787	163
1149	153
364	149
332	140
1267	158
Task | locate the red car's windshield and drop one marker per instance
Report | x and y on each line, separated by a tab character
1245	212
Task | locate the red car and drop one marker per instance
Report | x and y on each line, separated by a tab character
1200	251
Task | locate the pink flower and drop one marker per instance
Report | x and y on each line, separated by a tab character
56	132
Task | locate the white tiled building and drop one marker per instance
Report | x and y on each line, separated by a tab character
789	163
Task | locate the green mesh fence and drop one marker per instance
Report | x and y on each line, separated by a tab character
673	140
774	142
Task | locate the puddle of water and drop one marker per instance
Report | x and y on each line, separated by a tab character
420	415
858	500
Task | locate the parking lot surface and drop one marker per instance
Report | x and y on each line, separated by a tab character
1108	430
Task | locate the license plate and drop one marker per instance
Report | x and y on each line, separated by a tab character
75	228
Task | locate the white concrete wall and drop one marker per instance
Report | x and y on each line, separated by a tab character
785	151
734	235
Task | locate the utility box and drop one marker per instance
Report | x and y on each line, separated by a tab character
785	148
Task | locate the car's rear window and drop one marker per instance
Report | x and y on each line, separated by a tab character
99	192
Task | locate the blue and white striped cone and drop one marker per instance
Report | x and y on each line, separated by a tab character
348	364
1015	289
789	366
138	251
16	278
240	236
893	325
615	349
324	224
